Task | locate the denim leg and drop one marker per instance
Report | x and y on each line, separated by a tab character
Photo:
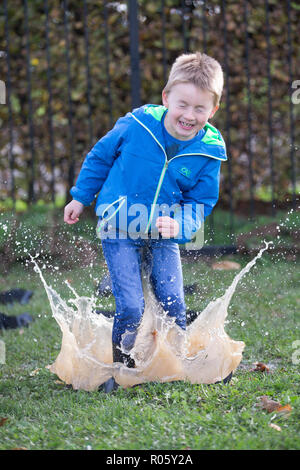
167	279
123	259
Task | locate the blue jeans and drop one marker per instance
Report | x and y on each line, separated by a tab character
124	259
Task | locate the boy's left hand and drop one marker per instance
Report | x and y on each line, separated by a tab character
168	227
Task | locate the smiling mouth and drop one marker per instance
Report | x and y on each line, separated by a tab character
185	125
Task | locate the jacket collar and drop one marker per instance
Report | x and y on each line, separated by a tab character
211	144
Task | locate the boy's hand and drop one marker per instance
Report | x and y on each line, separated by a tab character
73	211
168	227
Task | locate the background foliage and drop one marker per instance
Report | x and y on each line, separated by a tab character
204	26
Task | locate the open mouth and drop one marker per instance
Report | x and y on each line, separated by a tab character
185	125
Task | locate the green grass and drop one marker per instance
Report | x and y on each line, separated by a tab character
45	414
219	224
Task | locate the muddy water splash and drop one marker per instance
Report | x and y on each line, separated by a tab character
204	353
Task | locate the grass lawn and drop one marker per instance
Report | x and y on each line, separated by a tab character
43	413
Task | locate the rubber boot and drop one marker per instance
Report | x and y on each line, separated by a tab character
118	356
226	380
109	386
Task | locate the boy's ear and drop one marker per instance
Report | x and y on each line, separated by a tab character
165	98
214	111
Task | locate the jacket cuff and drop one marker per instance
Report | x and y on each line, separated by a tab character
80	196
189	223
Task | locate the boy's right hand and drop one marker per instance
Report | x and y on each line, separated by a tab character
73	211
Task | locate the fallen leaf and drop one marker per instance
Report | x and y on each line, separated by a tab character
20	448
3	421
260	367
286	409
225	265
268	404
274	426
272	405
34	372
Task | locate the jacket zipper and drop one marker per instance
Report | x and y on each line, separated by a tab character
161	178
163	172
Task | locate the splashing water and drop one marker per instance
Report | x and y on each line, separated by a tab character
163	352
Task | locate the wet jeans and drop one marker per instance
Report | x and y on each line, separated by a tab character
161	257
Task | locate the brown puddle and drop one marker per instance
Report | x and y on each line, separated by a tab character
204	353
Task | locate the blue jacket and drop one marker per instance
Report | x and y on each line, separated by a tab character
129	169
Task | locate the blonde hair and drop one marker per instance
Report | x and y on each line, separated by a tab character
199	69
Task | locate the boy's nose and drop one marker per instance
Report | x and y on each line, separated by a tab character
189	115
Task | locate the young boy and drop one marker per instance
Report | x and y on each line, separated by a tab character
162	163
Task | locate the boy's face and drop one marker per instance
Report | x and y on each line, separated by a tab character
189	109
